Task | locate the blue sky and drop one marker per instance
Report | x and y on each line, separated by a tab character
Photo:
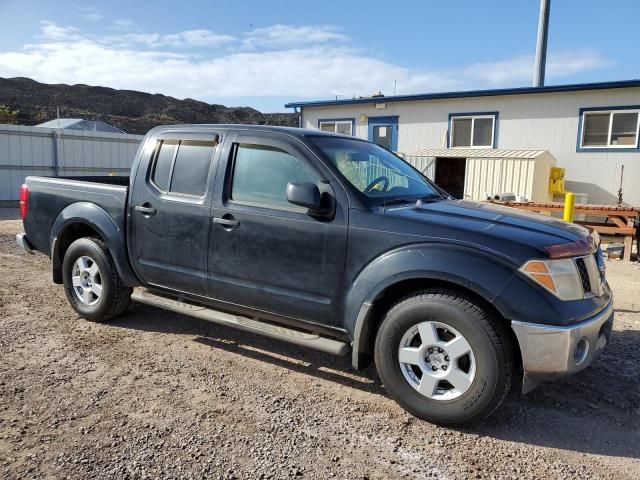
265	53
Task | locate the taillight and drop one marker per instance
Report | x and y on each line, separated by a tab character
24	196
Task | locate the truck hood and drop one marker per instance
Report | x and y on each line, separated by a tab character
475	221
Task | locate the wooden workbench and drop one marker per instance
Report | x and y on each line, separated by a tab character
620	220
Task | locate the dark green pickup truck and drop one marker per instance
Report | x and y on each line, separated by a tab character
333	243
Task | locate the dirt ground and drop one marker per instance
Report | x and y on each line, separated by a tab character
158	395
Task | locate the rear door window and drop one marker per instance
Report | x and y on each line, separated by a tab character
163	163
191	167
182	166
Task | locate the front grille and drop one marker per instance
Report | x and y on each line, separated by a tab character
584	275
591	275
600	262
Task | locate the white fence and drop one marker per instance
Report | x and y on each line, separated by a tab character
28	151
427	165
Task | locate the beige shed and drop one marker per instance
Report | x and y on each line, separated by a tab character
474	173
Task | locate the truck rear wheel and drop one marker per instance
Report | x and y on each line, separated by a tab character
443	358
91	282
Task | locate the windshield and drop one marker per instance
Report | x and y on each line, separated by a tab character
374	171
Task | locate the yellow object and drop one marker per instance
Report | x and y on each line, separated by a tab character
569	204
556	180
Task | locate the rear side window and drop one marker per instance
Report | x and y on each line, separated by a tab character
162	166
261	174
191	167
183	166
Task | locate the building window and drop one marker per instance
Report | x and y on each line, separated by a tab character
472	130
343	126
610	129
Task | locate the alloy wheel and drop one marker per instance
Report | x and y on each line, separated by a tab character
86	280
437	360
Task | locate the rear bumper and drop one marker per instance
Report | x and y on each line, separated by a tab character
554	351
21	240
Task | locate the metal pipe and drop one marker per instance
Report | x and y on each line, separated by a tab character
569	206
541	45
56	153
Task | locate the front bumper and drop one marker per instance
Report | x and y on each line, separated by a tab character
21	240
554	351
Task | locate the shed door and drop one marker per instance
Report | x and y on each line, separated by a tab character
450	173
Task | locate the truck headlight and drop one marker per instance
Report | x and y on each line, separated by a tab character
559	277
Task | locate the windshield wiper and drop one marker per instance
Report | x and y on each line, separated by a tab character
397	200
432	197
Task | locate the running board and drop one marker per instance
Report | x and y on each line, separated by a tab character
297	337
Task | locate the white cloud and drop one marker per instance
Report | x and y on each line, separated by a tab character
124	24
188	38
196	38
517	69
89	13
92	17
278	36
320	68
54	32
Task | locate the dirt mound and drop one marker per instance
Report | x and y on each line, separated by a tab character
128	110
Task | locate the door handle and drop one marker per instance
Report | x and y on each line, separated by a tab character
146	209
227	221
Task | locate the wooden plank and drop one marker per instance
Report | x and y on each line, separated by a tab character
534	209
618	221
586	207
609	230
578	211
607	213
628	241
628	244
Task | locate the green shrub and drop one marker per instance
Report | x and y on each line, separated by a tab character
7	115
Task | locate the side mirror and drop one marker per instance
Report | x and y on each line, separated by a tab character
305	195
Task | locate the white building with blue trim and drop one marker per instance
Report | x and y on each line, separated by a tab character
591	129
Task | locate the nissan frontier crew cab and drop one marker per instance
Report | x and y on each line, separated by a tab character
333	243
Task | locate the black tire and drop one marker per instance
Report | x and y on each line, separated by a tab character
115	296
491	349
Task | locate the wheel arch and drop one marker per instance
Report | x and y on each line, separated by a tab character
472	273
84	219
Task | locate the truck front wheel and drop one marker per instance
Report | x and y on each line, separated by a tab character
443	358
91	282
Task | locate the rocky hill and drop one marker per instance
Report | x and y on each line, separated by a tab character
128	110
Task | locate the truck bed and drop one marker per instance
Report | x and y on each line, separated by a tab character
106	179
48	196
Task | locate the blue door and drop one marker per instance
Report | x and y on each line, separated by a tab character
384	132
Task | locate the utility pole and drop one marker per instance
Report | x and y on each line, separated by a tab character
541	45
56	146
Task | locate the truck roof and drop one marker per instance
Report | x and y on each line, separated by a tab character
293	131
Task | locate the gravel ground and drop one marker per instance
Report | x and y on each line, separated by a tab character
158	395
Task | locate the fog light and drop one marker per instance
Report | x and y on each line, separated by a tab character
581	351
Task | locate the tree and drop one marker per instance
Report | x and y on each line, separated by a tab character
7	115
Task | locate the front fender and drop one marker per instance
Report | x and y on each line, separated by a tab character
91	215
472	269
